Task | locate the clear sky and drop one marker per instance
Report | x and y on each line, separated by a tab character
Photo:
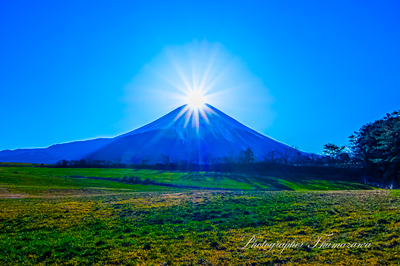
318	70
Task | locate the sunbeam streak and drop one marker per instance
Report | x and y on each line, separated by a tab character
197	74
194	114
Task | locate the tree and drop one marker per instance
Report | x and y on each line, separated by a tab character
333	151
165	159
271	156
246	156
287	155
63	163
229	159
376	146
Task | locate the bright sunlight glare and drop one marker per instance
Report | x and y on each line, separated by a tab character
195	100
198	74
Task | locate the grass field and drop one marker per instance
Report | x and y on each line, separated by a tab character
31	180
50	218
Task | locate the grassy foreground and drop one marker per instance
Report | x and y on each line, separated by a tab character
49	219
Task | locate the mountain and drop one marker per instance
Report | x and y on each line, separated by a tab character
182	134
69	151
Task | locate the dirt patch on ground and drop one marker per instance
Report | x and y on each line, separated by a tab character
6	193
12	196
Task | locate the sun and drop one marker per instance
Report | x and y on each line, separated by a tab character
195	100
195	108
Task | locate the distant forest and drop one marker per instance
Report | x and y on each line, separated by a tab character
373	152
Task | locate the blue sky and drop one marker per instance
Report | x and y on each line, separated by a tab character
67	67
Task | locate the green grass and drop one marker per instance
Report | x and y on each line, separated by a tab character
192	228
47	218
33	178
27	182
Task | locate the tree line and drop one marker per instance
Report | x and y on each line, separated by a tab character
373	150
289	160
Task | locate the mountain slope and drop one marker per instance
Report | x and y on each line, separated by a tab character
69	151
179	136
182	134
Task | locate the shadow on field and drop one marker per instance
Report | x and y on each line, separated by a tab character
239	181
193	177
253	180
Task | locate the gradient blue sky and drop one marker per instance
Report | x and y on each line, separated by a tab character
66	66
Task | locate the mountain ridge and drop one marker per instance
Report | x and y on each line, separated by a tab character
184	134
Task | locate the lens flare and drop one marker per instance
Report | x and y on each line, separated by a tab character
195	108
197	74
195	100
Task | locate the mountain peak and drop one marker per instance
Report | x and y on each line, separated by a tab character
185	118
185	131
